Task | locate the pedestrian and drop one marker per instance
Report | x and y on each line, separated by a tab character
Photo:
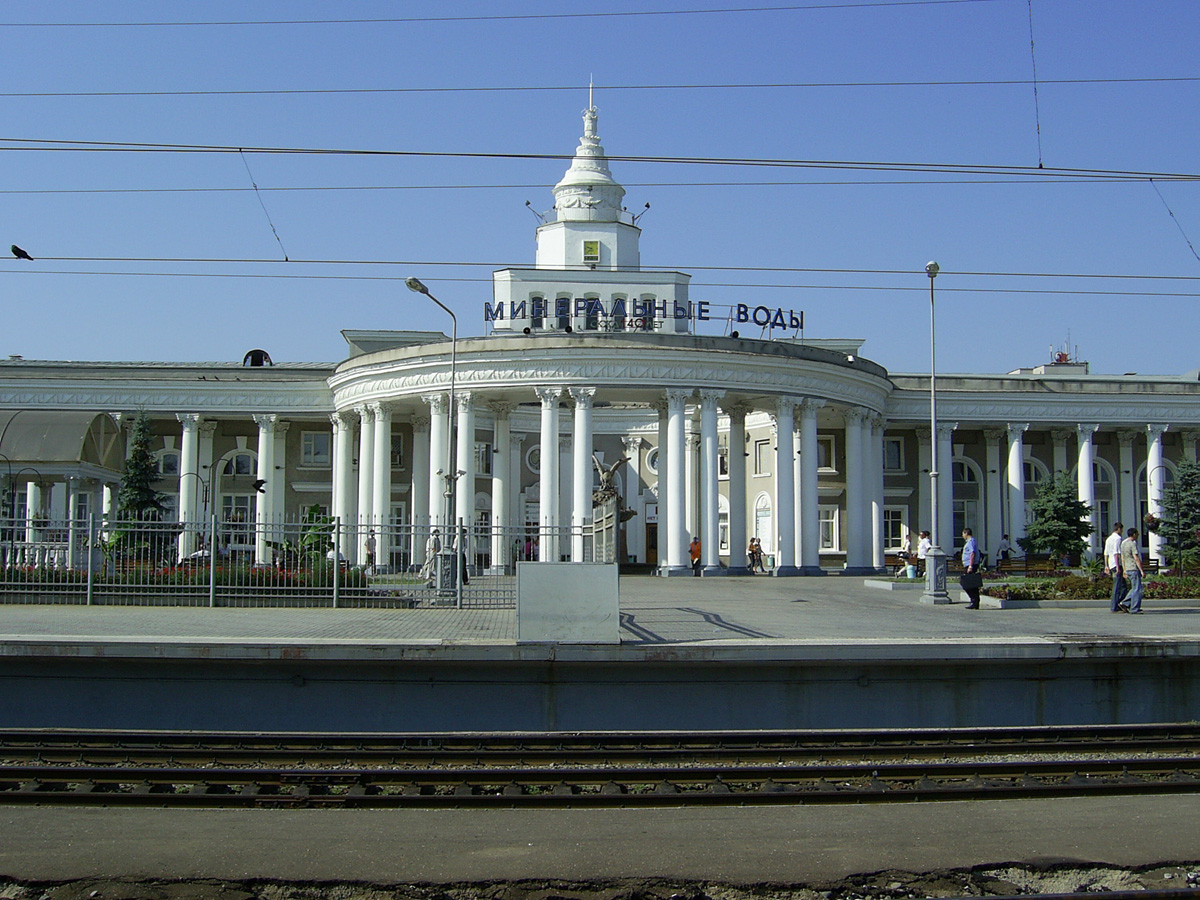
972	577
694	555
369	547
1131	564
756	556
433	546
1002	551
1112	566
924	545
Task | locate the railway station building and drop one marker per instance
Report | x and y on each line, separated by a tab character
592	361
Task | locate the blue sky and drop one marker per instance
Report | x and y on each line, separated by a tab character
835	82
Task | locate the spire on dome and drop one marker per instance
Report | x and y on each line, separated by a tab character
588	190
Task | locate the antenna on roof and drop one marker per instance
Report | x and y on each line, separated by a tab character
642	213
540	217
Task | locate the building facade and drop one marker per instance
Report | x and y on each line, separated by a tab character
822	454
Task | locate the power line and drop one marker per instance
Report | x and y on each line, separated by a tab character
613	88
506	18
52	145
493	265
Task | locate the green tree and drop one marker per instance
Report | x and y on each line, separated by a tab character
137	498
1179	523
1061	523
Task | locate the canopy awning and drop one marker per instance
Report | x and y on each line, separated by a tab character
33	436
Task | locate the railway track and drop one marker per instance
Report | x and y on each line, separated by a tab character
618	769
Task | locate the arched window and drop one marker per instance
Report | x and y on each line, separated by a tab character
968	499
764	522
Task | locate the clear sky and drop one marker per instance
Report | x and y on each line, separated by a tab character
171	255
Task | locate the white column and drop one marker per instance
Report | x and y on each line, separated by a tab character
581	478
677	539
344	496
548	482
366	476
737	488
710	551
190	488
277	486
264	514
34	511
810	518
439	458
993	492
1190	439
109	499
945	449
566	481
1126	475
924	466
857	509
691	479
634	527
502	534
661	484
418	514
516	504
798	503
381	485
785	488
875	478
1087	487
1016	481
1059	438
1155	478
464	487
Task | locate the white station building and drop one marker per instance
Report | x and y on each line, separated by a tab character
820	453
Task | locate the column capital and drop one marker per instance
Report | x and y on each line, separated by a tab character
365	413
189	421
632	443
282	426
878	422
677	398
340	419
945	429
808	407
660	406
693	441
420	424
379	409
438	403
565	442
1085	431
265	421
785	406
1061	435
208	428
464	400
923	433
1016	429
583	396
500	408
548	395
1126	437
1154	432
710	396
738	410
858	414
515	441
993	435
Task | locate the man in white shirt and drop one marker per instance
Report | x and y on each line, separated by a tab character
1112	566
923	547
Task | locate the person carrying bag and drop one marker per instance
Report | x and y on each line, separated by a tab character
971	579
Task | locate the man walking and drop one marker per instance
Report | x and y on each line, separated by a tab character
1131	563
972	568
694	553
1112	566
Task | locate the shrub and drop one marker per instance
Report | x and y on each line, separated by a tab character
1076	587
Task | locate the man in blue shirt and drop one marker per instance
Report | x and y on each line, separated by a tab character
972	563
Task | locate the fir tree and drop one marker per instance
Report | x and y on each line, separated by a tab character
1061	522
1179	523
137	498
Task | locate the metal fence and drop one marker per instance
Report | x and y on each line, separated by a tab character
309	562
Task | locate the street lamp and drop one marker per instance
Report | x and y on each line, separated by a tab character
448	473
935	559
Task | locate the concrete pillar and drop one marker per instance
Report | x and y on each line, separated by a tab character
634	533
419	491
1016	481
381	485
710	550
344	489
875	477
798	503
1059	437
785	488
924	466
191	490
691	480
264	518
738	540
366	489
810	518
581	465
548	484
502	532
1155	479
993	492
1087	487
440	463
1126	474
677	538
661	486
945	449
464	485
857	510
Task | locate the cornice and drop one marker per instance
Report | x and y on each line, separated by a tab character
1113	410
229	398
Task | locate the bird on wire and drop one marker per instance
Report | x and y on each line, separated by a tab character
20	254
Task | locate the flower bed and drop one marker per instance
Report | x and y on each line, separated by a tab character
1078	587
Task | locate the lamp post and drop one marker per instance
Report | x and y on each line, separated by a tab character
935	558
445	567
185	547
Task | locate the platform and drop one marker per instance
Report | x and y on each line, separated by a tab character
744	652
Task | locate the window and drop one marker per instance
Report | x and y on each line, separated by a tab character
315	448
168	464
562	320
483	458
828	523
894	529
397	451
537	303
652	460
762	457
591	251
533	462
825	457
764	523
893	454
723	456
239	464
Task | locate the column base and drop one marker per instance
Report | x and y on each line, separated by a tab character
859	570
786	572
498	570
711	571
935	578
738	570
812	570
675	571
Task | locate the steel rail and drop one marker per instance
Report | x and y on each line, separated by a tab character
608	786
